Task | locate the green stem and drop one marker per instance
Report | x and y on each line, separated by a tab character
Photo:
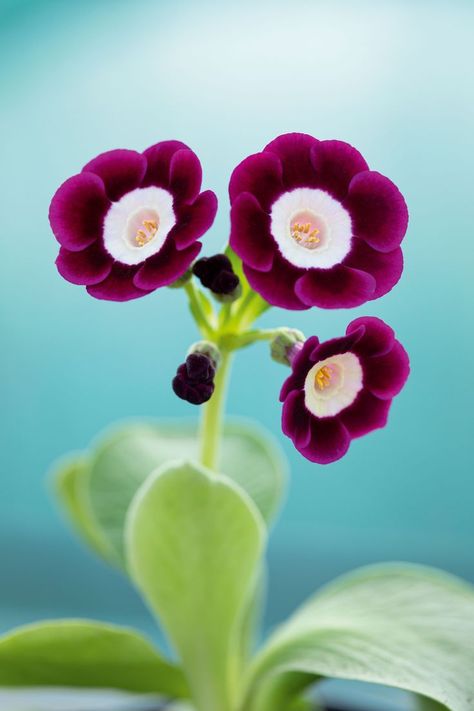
197	310
211	423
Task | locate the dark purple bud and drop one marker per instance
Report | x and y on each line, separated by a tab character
194	392
194	379
199	367
216	274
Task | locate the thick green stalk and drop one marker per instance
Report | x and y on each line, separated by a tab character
212	417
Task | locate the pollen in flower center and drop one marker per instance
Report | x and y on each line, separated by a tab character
308	230
322	379
142	227
145	235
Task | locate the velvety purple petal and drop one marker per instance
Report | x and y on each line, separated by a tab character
336	163
329	441
185	175
294	151
89	266
77	211
250	235
278	285
194	220
166	266
335	346
377	339
386	375
118	286
300	366
158	159
385	267
366	413
259	174
339	287
378	210
295	420
121	170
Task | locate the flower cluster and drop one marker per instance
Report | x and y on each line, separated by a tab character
312	226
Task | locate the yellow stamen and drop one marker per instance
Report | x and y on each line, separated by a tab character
322	378
142	237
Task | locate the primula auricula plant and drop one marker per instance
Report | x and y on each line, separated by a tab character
185	511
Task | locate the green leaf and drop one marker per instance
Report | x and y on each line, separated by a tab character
425	704
74	653
194	544
403	626
123	461
70	482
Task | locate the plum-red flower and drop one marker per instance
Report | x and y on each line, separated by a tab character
342	388
314	226
129	222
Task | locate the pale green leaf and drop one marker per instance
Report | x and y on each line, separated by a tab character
403	626
75	653
71	487
194	545
124	460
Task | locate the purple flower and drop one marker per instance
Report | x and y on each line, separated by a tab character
129	222
314	226
194	379
342	388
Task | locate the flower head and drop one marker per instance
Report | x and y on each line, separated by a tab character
129	222
314	226
342	388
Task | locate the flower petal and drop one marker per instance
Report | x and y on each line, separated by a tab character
295	420
89	266
194	220
158	159
300	366
185	175
340	287
377	339
378	210
278	285
329	442
259	174
385	267
385	375
336	163
366	413
166	266
250	235
294	151
118	286
336	346
121	170
77	211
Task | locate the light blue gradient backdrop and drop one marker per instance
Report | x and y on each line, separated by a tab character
393	78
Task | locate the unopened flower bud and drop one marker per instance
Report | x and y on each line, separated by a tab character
286	344
194	379
207	348
216	274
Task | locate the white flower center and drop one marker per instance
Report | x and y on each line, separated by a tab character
311	228
136	226
332	384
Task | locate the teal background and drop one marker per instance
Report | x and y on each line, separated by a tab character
393	78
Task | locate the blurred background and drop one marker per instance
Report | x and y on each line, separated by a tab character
77	78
